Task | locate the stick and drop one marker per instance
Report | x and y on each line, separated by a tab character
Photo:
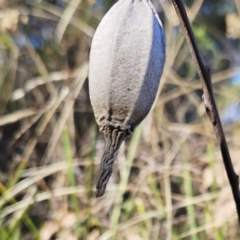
209	101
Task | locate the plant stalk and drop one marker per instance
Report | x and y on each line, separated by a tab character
209	101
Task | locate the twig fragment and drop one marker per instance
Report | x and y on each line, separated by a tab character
209	101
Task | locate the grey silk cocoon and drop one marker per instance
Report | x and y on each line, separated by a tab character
126	63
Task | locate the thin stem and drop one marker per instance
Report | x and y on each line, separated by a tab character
209	100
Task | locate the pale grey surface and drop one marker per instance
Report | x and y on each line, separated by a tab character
126	62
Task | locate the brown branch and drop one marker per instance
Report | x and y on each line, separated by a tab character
209	101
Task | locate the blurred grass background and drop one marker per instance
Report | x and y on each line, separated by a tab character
168	181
